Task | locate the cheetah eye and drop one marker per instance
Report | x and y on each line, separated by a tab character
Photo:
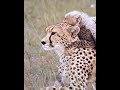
53	33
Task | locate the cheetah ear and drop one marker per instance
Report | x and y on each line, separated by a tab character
79	19
74	30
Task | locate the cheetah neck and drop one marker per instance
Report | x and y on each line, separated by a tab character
78	44
81	44
59	50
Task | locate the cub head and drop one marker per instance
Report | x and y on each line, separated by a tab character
58	36
72	20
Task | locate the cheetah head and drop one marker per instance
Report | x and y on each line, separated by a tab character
58	37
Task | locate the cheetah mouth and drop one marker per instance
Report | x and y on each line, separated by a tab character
46	47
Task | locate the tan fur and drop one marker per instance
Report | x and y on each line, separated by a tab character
85	33
76	63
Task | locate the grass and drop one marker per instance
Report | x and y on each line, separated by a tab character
40	67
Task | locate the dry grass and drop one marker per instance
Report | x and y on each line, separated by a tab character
40	67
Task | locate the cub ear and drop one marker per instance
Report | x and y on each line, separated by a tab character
72	20
74	30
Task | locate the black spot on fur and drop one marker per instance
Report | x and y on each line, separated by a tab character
86	70
73	84
71	78
82	77
72	59
70	88
72	63
74	68
80	53
80	62
83	80
77	64
83	57
93	52
89	52
90	57
88	61
73	73
54	88
77	52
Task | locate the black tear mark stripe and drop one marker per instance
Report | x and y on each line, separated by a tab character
50	37
50	41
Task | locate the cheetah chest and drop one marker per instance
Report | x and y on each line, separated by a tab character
77	65
64	70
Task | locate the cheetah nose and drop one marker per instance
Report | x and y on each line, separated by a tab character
43	42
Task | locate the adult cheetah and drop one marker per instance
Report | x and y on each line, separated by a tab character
76	62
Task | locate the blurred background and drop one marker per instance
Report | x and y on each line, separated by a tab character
40	67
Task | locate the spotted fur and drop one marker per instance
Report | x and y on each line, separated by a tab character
76	63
